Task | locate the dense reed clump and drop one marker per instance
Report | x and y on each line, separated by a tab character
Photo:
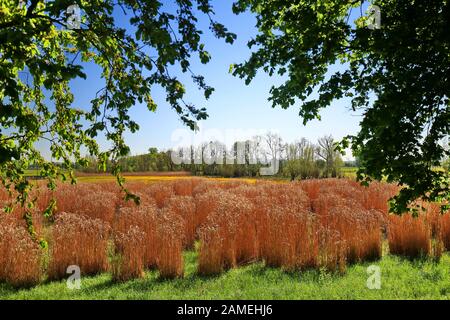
160	192
128	260
160	241
338	226
286	195
229	235
204	187
409	236
445	231
360	231
170	244
78	240
377	197
145	218
184	207
205	203
137	189
185	187
68	196
350	233
311	187
284	207
20	256
91	206
332	249
327	223
208	185
288	237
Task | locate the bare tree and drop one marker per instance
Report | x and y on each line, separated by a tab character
326	151
275	145
275	148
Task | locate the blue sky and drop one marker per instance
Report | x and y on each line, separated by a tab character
233	105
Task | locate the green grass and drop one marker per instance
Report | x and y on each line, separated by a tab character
400	279
349	172
31	172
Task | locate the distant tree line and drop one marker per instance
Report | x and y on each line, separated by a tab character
153	161
301	159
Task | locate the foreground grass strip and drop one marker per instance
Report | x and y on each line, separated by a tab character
400	279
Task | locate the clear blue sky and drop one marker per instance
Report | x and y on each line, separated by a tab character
233	105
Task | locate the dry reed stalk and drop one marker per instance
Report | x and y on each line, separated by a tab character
210	252
128	260
293	248
184	207
205	204
170	228
309	224
20	256
78	240
333	250
235	233
409	236
445	231
144	217
185	187
100	205
160	192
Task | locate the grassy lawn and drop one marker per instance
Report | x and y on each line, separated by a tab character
400	279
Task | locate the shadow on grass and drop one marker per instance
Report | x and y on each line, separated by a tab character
152	280
256	272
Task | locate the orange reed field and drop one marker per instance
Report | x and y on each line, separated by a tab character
295	226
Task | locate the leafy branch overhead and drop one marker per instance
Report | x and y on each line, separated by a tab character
396	75
39	56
